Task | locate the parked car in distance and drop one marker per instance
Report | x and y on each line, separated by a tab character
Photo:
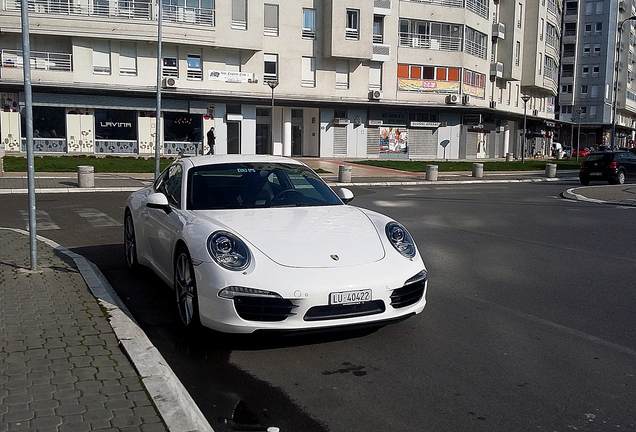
581	152
261	243
612	166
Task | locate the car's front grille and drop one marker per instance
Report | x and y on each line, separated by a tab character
263	308
408	294
328	312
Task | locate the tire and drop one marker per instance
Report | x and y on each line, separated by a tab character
185	288
620	178
584	181
130	241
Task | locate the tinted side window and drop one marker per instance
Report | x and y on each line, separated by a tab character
170	184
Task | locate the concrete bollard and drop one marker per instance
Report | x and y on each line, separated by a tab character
509	157
431	172
86	176
478	170
550	170
1	167
344	174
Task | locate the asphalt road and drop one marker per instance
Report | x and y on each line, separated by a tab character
530	323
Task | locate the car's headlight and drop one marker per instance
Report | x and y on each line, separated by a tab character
228	251
238	291
400	239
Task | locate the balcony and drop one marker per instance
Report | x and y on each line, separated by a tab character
381	52
449	3
129	9
435	43
39	60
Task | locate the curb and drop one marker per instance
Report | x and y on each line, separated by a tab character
571	195
175	405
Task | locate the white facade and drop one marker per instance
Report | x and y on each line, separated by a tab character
418	79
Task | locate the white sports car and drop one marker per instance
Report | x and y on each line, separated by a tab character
257	243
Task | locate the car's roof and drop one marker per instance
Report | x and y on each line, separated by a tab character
239	158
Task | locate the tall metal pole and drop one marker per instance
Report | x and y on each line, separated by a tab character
158	115
28	96
578	137
615	79
272	85
525	99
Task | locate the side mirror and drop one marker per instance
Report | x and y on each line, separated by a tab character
345	195
159	201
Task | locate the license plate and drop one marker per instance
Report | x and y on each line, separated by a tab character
350	297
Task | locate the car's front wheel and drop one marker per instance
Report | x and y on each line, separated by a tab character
185	288
130	241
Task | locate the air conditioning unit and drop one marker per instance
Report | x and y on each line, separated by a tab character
466	99
493	104
452	99
498	31
375	94
535	112
496	70
169	82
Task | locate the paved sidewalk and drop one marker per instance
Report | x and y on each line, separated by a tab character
62	366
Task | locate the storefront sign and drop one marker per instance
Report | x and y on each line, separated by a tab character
471	119
375	122
478	92
427	85
424	124
232	77
341	121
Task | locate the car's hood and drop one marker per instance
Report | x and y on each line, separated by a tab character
329	236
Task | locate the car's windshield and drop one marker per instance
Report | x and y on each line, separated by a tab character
256	185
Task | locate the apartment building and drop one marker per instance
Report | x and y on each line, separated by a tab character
418	79
589	51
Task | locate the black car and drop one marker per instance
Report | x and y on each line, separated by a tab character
612	166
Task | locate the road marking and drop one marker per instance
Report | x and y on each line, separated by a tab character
43	220
97	218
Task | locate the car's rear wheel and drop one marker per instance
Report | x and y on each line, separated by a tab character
584	180
130	241
185	288
620	178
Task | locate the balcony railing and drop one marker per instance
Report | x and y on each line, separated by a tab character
130	9
436	43
450	3
480	7
39	60
475	49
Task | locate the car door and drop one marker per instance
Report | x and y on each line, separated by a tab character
630	165
164	226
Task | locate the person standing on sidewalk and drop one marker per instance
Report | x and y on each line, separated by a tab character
211	140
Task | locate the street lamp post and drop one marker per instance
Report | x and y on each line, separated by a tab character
578	136
272	85
525	99
615	78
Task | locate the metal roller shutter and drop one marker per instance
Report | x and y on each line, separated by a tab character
339	141
423	143
373	141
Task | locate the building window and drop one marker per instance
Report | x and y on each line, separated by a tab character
593	111
594	91
540	63
586	50
342	74
270	67
195	69
583	91
599	28
599	8
476	43
519	14
375	76
101	57
353	24
309	24
128	58
170	62
517	53
597	50
568	71
589	7
378	29
566	109
588	29
595	70
585	71
309	72
270	20
239	15
566	88
541	29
